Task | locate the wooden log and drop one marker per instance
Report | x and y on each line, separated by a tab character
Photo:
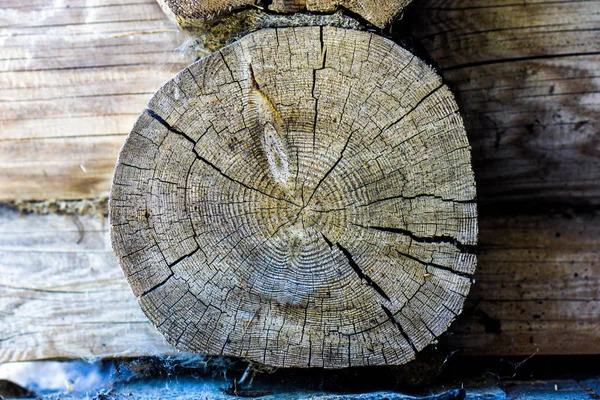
525	77
63	294
276	201
530	109
535	291
515	157
72	81
194	14
556	163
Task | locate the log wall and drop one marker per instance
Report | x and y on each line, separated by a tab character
74	75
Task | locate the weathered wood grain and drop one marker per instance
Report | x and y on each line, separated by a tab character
62	293
192	14
73	78
535	291
526	78
508	76
276	202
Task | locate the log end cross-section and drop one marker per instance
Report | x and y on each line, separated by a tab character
303	198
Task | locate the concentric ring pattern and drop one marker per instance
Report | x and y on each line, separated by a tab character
304	197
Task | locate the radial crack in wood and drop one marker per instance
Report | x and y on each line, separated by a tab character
302	198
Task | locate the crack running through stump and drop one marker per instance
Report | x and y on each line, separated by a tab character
303	197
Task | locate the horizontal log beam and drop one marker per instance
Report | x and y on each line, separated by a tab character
62	294
73	79
530	101
525	76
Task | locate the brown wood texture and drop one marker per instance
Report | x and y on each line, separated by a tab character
73	79
532	121
537	289
511	65
526	79
192	13
277	202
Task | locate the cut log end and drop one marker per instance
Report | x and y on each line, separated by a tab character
302	198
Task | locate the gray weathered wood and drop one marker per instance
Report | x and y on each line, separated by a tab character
304	197
40	158
49	131
535	292
62	293
73	77
526	79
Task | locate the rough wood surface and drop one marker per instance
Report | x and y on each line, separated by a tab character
73	77
62	293
512	163
526	79
304	197
530	109
537	288
60	298
192	13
